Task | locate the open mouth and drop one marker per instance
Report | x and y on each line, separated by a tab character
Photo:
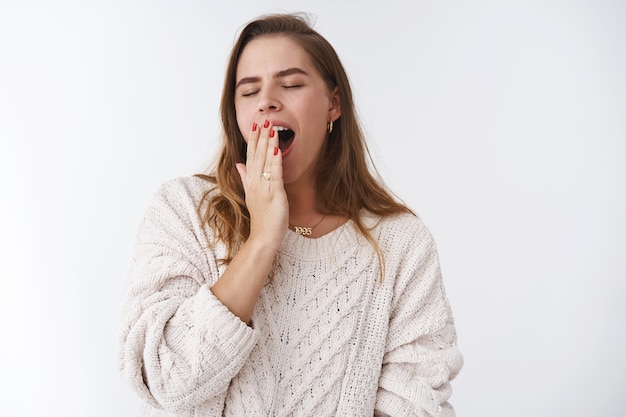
285	137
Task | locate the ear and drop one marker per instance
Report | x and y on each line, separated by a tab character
334	110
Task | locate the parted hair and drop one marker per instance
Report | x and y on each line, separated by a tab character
346	180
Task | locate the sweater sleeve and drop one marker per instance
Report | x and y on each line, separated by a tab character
421	356
179	345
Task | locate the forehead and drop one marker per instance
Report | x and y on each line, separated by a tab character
272	53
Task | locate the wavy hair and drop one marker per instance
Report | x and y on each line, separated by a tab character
346	180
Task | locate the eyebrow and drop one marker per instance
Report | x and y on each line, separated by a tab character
280	74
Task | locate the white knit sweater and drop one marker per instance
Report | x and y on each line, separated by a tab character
329	338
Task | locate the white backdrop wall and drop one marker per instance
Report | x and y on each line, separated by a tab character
503	124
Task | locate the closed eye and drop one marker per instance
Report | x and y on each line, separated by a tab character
249	93
292	86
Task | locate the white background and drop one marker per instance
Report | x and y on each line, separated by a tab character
503	124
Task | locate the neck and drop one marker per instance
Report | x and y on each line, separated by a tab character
302	204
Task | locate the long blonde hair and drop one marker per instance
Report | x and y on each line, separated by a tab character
345	182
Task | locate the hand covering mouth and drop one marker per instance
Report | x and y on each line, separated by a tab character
285	136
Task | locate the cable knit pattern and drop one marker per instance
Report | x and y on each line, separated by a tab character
328	337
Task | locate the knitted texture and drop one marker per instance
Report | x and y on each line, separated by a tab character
329	338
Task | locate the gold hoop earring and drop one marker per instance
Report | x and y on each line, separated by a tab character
329	127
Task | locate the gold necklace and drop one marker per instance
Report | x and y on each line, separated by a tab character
306	231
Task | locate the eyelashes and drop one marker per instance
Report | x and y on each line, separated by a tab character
286	87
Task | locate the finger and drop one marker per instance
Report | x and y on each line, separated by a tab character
260	156
272	153
276	164
253	139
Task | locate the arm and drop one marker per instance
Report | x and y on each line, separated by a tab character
241	284
184	335
179	346
421	355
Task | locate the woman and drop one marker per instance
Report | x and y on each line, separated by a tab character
288	282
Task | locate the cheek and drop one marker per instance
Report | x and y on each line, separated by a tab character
244	124
244	132
318	109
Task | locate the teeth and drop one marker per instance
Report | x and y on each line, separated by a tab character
279	128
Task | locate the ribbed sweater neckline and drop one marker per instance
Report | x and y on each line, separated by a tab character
305	248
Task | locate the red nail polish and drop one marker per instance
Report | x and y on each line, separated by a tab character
266	124
272	133
275	150
254	126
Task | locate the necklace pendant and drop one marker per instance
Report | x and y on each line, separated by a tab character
304	231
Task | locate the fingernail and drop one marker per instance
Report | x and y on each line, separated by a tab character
272	133
266	124
275	150
254	126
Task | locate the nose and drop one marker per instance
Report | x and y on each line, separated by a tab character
268	102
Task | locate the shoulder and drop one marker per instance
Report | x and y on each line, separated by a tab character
188	188
179	197
409	253
398	230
